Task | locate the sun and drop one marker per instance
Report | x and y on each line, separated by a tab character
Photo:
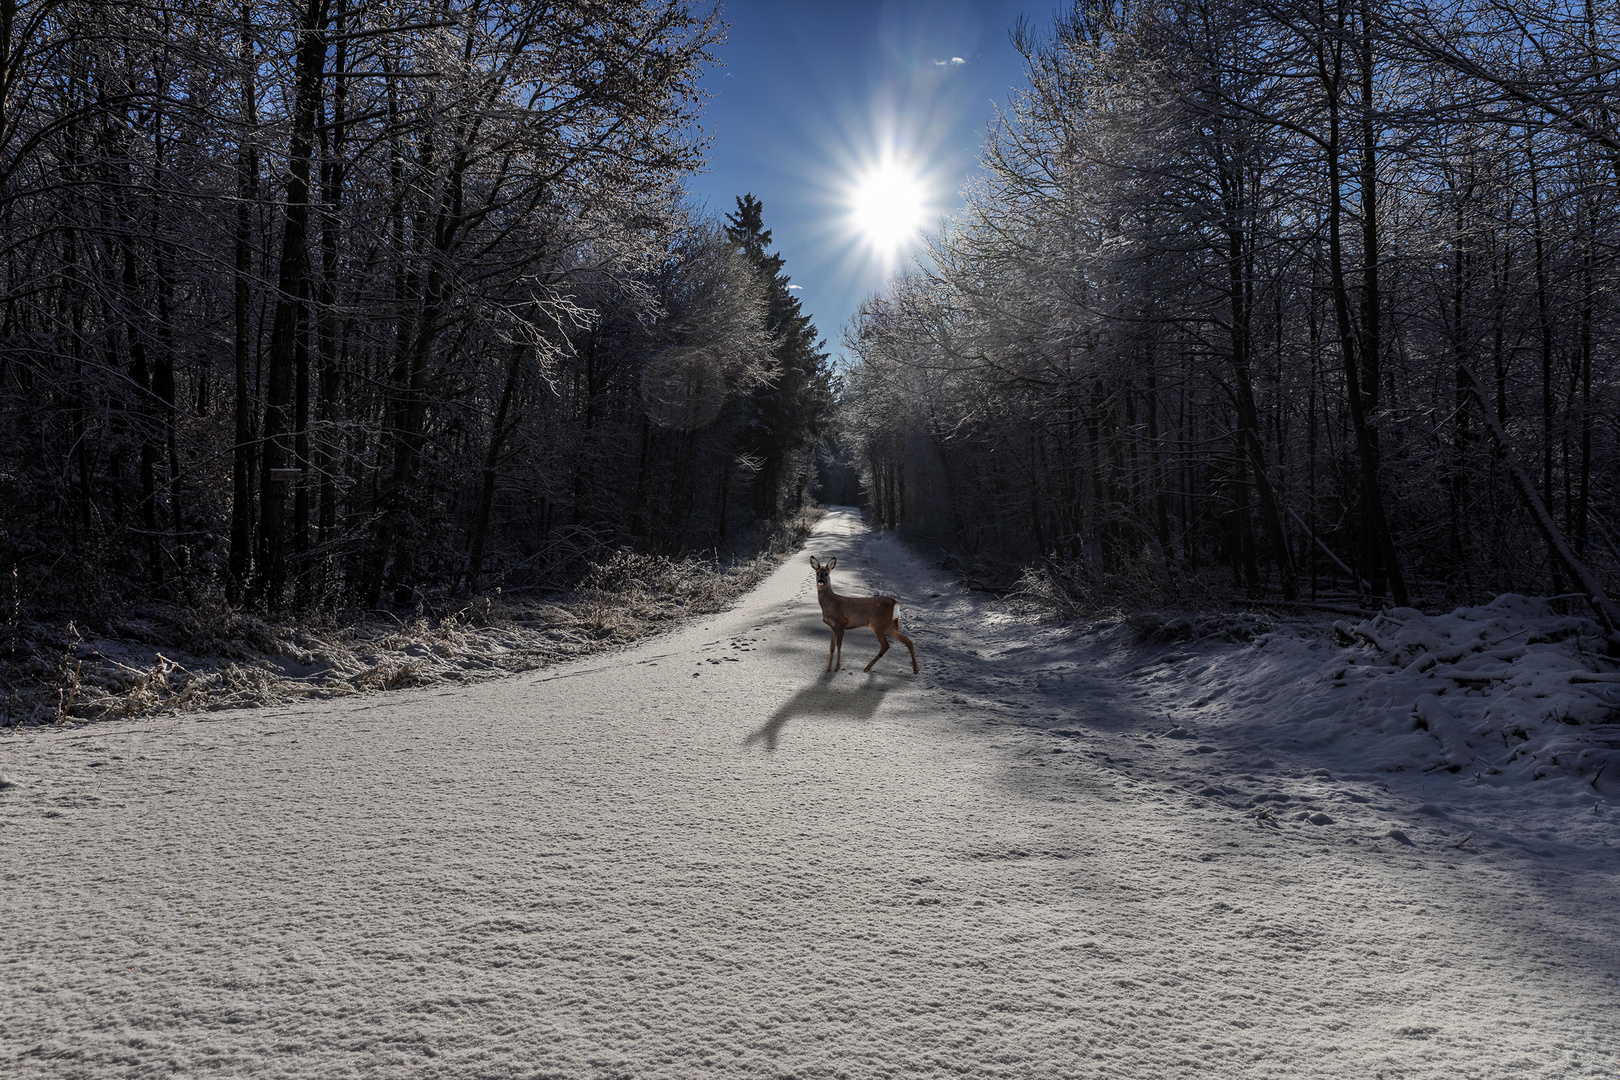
889	206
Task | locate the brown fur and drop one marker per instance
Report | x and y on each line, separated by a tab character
842	612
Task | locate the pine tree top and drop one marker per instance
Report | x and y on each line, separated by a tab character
747	230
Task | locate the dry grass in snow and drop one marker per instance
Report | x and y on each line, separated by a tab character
174	658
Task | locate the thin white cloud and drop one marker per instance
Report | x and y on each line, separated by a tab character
955	61
795	286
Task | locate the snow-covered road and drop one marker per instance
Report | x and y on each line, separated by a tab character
706	857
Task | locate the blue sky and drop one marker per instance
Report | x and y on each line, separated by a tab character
813	92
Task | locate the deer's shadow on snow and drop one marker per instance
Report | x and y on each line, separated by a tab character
824	698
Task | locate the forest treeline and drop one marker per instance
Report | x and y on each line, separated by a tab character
1276	299
327	304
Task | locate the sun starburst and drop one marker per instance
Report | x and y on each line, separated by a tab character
889	207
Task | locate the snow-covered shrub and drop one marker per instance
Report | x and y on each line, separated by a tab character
1511	685
1080	589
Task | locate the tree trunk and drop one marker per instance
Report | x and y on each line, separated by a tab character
492	456
1545	329
1607	611
1380	561
292	302
332	181
247	194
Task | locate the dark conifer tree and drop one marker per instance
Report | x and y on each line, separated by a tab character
791	411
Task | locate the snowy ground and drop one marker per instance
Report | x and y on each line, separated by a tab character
1053	854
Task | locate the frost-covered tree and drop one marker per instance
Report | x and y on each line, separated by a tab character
325	303
1311	292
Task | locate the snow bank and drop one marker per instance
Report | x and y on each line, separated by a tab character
1504	717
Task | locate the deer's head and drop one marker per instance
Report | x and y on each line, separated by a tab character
823	572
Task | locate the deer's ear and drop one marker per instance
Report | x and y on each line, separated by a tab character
814	563
832	563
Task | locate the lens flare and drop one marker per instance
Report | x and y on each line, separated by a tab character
888	207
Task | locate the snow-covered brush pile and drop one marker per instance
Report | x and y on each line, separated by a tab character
1509	687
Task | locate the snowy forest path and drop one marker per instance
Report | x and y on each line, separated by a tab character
705	856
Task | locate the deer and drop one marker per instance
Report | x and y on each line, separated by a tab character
842	612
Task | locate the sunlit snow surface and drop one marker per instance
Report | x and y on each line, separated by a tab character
1053	854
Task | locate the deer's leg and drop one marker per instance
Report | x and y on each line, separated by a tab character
907	643
832	643
838	642
881	630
